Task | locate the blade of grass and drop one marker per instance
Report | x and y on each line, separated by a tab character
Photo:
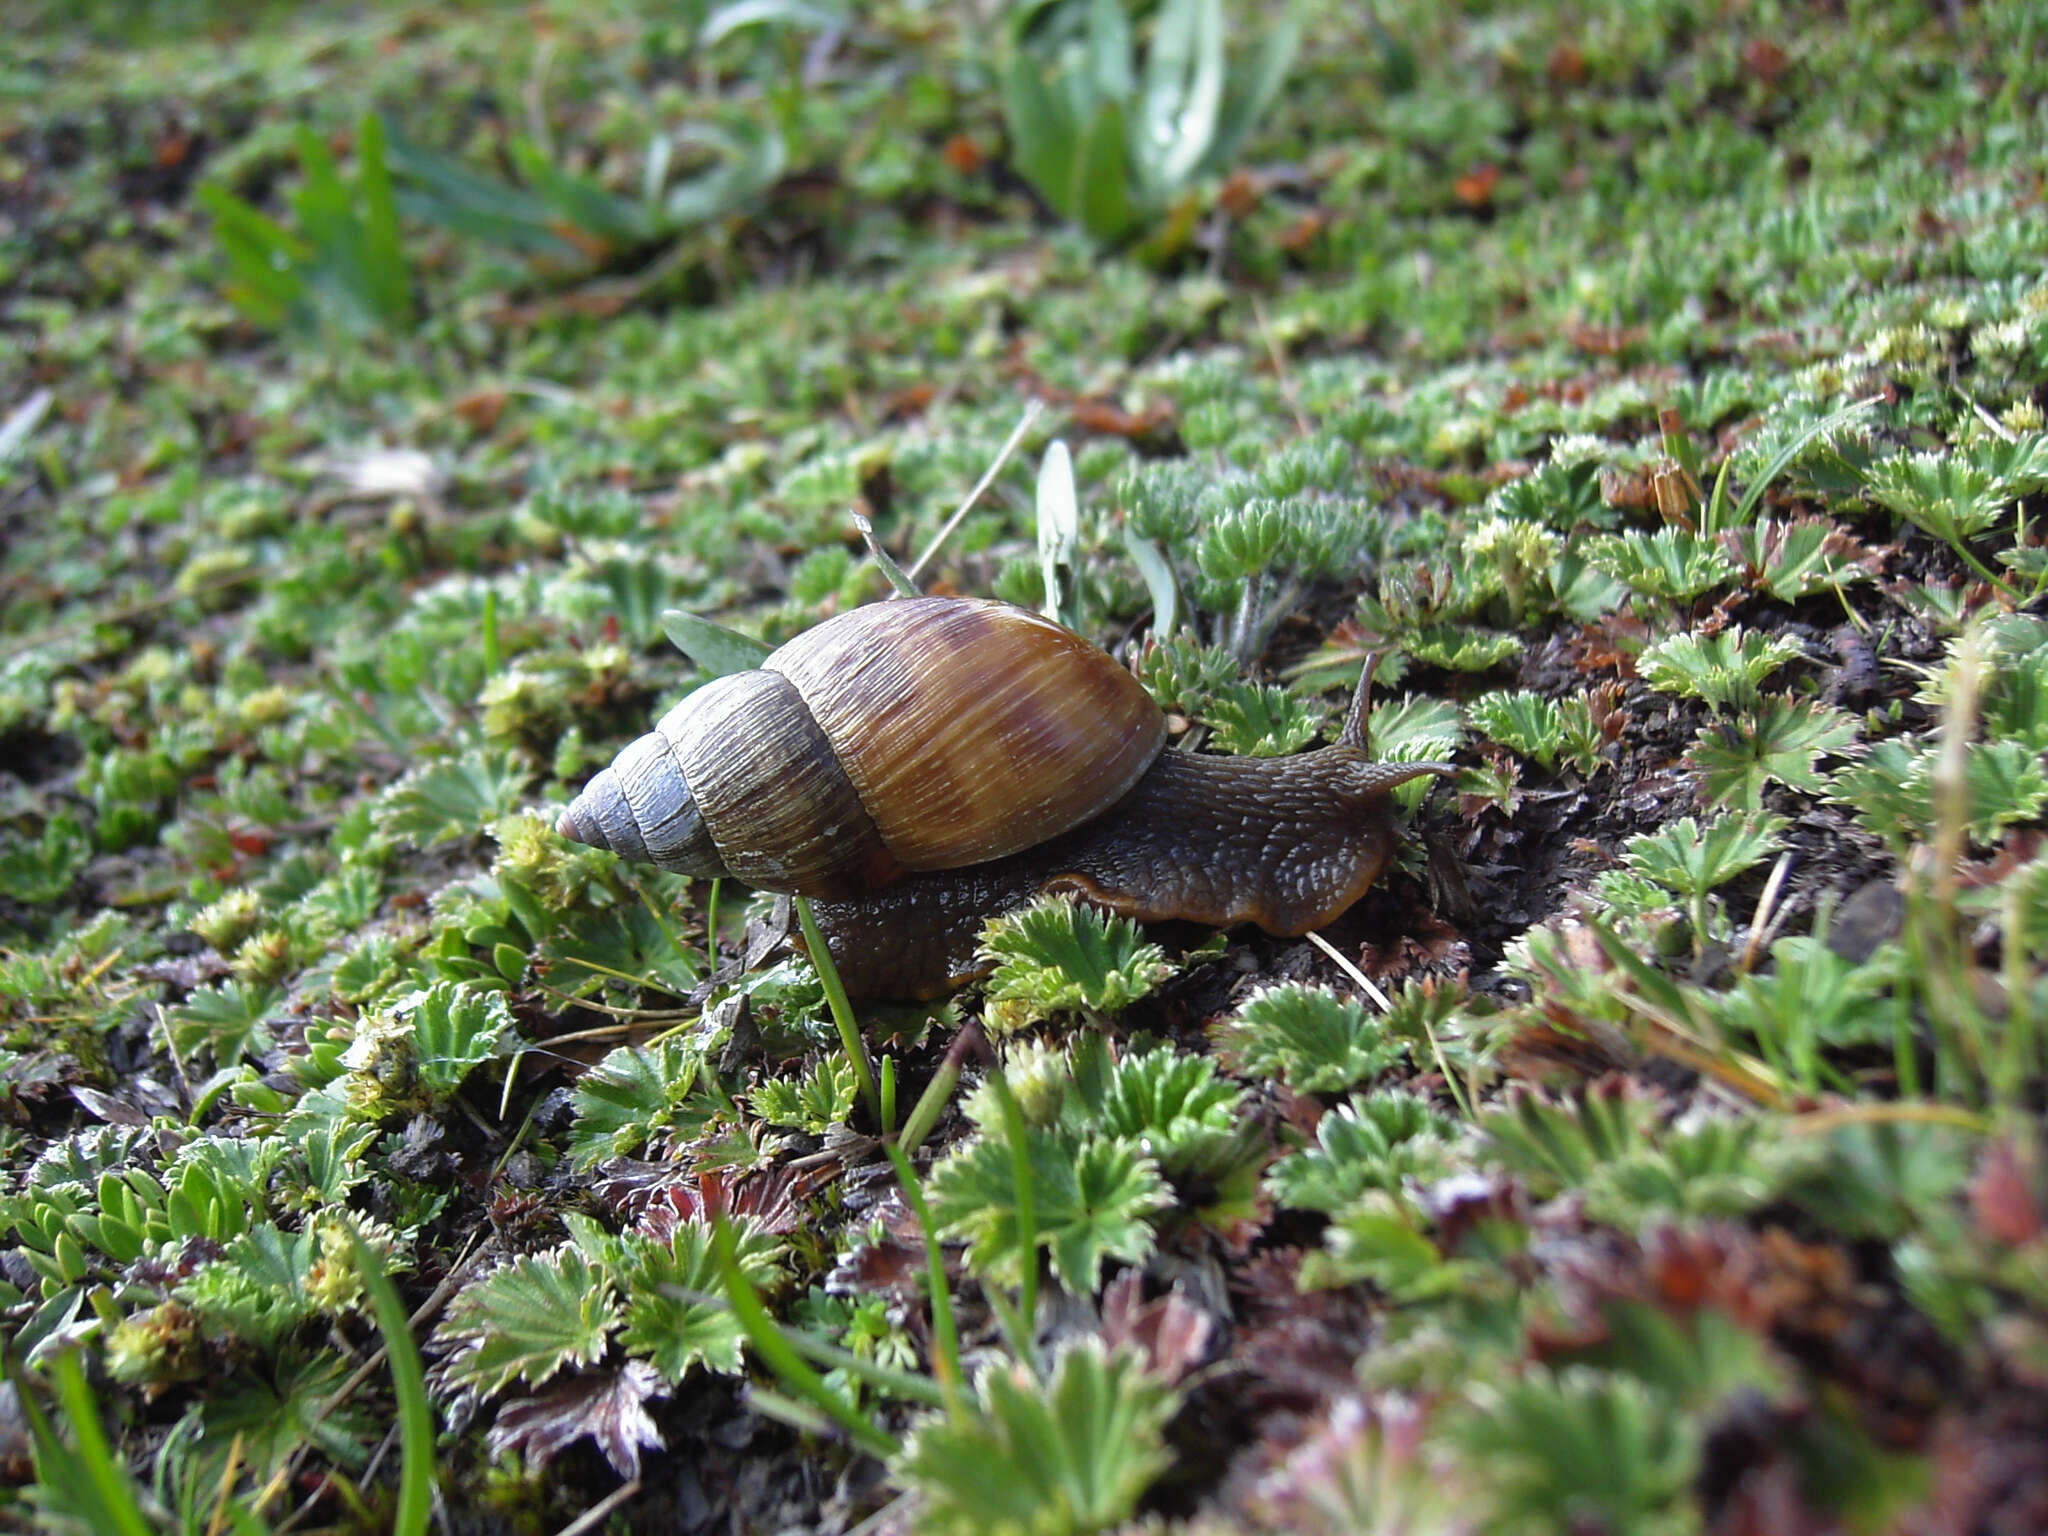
945	1337
777	1353
409	1385
90	1474
842	1012
1027	1209
924	1114
1848	413
1031	411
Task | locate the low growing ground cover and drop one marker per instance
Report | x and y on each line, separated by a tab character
1657	1148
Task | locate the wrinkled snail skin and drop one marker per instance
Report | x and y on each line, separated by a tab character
1285	843
920	765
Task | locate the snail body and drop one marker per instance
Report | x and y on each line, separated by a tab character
922	765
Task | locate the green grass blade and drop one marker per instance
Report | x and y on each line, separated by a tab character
945	1336
781	1357
409	1385
91	1474
842	1011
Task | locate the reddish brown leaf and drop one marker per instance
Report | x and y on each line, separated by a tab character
1764	59
1566	65
480	409
1301	234
1474	189
889	1268
1173	1333
1112	420
173	149
608	1406
1239	196
2003	1198
963	154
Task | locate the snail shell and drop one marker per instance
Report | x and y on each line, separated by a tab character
921	734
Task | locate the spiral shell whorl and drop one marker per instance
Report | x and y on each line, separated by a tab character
641	808
929	733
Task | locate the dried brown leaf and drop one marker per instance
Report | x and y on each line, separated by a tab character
608	1406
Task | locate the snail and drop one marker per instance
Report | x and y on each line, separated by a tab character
920	765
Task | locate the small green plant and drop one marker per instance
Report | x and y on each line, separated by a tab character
1809	1002
1522	554
1891	789
1112	145
1691	860
1722	671
230	1020
1415	729
1384	1141
456	797
823	1097
1066	1456
455	1029
1545	730
39	872
1671	565
570	219
1312	1039
1182	674
1963	494
528	1320
1798	558
1779	741
1062	956
1255	720
342	266
637	1094
1174	1107
1092	1199
633	1307
1613	1148
1579	1450
1459	647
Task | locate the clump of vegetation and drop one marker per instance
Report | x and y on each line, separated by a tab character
1656	1146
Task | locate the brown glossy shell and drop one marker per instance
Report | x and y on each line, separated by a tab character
920	734
972	729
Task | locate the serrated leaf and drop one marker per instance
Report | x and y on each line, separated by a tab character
1093	1202
1163	1102
1314	1040
609	1407
675	1313
455	1027
527	1321
231	1020
1692	859
1670	563
1780	742
630	1095
1071	1455
1384	1141
1722	671
457	797
1459	647
1261	720
1521	721
1058	955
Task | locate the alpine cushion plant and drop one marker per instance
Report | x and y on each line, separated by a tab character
1114	142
